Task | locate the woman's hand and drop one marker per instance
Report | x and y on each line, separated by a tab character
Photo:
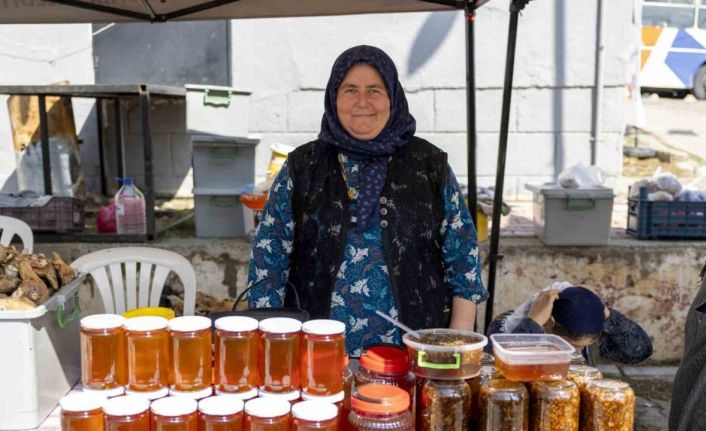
541	309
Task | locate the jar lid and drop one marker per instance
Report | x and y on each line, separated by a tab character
189	324
194	395
173	406
375	398
385	359
126	405
609	385
108	393
314	411
220	406
244	396
583	369
81	402
150	395
236	324
332	399
268	407
146	323
280	325
102	321
287	396
324	327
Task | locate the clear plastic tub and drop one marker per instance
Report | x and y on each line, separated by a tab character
445	354
444	406
554	406
532	357
608	405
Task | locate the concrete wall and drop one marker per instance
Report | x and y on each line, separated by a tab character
39	55
551	112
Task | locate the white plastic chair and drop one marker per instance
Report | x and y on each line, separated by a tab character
10	226
137	262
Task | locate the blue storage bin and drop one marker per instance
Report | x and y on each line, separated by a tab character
664	219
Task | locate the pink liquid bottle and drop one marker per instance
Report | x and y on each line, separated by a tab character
130	209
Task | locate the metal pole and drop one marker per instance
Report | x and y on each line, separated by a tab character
494	255
598	83
471	109
119	141
101	142
44	134
149	171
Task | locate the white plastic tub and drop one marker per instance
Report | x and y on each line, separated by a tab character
41	360
532	357
217	110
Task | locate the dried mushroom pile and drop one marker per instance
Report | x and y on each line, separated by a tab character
27	280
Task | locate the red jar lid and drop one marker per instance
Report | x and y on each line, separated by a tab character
381	399
385	359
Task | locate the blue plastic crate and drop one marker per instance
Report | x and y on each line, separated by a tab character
667	220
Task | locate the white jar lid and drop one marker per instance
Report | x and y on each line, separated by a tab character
173	406
314	411
332	399
287	396
221	406
268	407
108	393
189	324
126	405
324	327
280	325
236	324
103	321
194	395
150	395
146	323
81	402
247	395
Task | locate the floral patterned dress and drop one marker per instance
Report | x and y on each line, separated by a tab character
362	284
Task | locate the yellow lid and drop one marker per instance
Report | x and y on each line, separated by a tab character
167	313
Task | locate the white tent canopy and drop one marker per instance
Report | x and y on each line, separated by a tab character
97	11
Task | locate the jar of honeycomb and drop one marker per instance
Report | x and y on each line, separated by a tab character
504	406
554	406
582	375
608	405
487	372
445	406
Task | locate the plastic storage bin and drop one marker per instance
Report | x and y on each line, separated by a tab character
223	162
663	219
41	359
531	357
572	216
220	214
445	354
217	110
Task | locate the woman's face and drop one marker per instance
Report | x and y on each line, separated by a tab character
362	102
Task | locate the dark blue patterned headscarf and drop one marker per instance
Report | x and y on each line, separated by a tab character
373	154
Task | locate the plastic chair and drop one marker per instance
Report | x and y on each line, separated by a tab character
10	226
134	263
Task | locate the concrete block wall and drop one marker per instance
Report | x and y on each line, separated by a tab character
550	121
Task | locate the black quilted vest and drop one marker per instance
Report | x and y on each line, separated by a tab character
411	213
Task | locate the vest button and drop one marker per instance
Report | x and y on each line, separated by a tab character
383	224
383	200
383	211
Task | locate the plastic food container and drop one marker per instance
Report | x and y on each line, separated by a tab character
504	406
220	414
554	406
127	413
445	354
380	407
608	405
387	364
323	357
532	357
444	406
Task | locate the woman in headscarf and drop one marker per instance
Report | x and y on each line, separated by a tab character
368	217
581	318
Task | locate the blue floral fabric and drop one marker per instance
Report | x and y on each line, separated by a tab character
362	284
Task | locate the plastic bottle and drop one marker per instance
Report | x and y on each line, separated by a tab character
130	218
380	407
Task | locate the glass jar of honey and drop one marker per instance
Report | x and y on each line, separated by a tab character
323	356
314	416
81	412
191	353
386	364
554	406
608	405
504	406
236	354
338	401
174	414
127	413
267	414
103	353
220	413
279	352
380	407
147	353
